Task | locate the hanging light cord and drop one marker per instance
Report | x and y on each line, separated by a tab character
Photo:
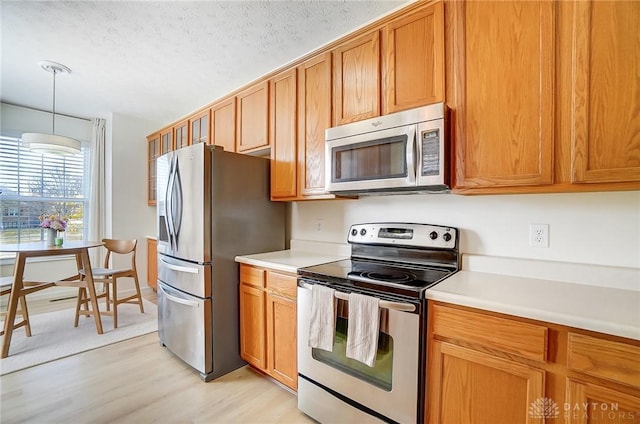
54	100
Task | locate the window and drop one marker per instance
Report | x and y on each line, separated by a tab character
32	185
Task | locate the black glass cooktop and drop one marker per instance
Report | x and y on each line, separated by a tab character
385	277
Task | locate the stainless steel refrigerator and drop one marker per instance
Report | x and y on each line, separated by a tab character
212	206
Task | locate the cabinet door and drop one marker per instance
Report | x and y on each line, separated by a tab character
500	86
314	117
166	141
605	121
181	133
592	403
253	118
223	124
153	151
282	135
200	128
281	339
356	79
152	264
252	326
458	382
413	48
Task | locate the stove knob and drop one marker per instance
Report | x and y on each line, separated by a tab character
433	235
354	232
363	232
446	236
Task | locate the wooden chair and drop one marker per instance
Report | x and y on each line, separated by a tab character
109	276
5	289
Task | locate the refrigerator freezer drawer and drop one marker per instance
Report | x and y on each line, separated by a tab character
186	276
184	327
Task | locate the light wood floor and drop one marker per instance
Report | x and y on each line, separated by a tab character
138	381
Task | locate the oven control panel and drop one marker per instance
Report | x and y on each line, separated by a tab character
402	234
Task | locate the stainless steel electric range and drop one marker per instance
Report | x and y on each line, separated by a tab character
396	263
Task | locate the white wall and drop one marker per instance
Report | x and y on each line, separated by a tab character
589	228
131	217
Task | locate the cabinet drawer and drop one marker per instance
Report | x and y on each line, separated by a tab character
608	359
282	284
252	276
504	334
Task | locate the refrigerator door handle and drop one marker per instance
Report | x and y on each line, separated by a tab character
168	203
177	299
178	267
176	202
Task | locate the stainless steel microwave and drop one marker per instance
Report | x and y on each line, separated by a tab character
400	152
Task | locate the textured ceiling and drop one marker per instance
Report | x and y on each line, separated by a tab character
159	60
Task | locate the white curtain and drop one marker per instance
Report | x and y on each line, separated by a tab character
98	192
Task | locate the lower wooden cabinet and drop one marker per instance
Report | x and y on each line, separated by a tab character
268	322
281	339
152	263
252	326
462	394
596	403
485	367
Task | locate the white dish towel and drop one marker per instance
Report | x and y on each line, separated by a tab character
363	328
322	325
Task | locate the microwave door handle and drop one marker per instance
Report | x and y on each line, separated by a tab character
413	153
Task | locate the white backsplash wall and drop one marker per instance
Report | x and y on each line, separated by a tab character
590	228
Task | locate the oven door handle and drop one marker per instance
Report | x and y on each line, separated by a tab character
384	304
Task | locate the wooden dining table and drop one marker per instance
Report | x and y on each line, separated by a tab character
22	287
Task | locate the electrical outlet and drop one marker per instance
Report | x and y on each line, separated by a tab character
539	235
319	225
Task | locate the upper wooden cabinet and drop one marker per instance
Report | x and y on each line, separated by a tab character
282	134
605	92
297	168
199	127
166	141
181	134
356	79
413	65
253	118
500	85
223	124
314	117
543	95
153	152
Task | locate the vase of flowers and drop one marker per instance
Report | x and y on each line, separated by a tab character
53	224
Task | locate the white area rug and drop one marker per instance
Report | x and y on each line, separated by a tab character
53	335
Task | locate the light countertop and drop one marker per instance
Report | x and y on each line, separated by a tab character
602	309
300	255
612	309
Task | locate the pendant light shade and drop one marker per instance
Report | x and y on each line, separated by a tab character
47	144
50	144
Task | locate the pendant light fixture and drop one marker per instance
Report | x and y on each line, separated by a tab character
51	143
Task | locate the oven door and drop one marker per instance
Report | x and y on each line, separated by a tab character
332	386
379	160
